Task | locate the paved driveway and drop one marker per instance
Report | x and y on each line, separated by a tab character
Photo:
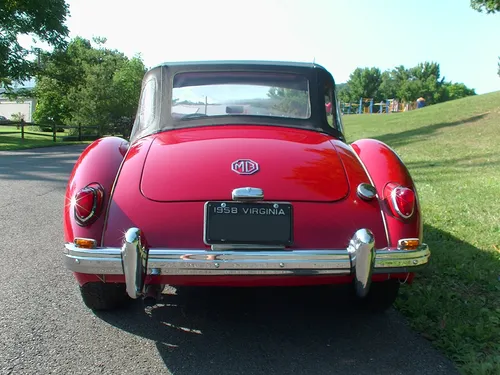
45	328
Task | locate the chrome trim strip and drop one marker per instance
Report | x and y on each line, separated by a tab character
373	184
402	258
246	262
115	182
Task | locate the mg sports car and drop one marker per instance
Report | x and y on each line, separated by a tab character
238	173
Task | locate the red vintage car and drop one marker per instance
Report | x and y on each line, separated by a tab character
236	174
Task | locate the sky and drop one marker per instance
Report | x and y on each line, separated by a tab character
340	35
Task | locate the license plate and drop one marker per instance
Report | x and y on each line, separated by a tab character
257	223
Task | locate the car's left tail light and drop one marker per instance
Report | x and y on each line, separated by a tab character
401	200
88	203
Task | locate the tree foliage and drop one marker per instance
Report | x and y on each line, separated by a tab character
43	19
365	83
488	6
406	84
288	101
85	85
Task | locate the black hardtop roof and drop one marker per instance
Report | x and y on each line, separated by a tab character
321	83
240	63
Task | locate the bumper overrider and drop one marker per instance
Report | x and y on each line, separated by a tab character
135	261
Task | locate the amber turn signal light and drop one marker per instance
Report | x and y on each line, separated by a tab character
408	244
85	243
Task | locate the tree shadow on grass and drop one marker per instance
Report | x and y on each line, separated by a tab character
453	301
422	133
452	168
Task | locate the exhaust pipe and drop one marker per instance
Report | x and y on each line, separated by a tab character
152	294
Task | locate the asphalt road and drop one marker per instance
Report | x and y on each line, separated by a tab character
45	328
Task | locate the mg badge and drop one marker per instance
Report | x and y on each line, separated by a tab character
244	166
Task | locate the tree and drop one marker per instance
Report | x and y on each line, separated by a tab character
490	6
364	83
342	90
44	19
454	91
406	84
85	85
388	86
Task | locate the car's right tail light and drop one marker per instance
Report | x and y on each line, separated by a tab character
87	204
401	200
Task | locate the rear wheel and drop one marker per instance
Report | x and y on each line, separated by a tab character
381	296
104	296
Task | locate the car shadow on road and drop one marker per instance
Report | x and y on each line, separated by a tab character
307	330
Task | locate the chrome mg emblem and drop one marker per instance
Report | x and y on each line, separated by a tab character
244	166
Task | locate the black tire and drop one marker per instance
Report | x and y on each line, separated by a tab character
381	296
100	296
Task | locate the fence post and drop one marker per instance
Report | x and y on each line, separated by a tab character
54	132
22	129
79	132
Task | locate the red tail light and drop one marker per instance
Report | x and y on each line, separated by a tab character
401	200
88	204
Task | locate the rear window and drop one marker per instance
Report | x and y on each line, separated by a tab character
207	94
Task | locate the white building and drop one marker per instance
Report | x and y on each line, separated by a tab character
24	106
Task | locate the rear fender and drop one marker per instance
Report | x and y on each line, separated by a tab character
98	163
384	166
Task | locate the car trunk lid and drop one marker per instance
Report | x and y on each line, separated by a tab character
208	163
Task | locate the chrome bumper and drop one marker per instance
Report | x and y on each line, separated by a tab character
135	261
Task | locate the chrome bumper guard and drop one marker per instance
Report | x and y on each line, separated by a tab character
136	261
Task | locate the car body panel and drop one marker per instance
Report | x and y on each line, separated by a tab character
385	167
99	162
180	224
158	184
181	164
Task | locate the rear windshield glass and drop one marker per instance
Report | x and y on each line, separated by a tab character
205	94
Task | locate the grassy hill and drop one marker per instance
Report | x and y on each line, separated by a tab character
453	153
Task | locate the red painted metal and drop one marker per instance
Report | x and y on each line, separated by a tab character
99	163
195	164
167	177
384	167
180	224
387	169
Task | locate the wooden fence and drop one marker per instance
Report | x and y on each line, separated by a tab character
53	130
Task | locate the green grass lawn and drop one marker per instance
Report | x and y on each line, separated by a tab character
14	142
453	153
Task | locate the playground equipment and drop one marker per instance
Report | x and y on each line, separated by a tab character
368	106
